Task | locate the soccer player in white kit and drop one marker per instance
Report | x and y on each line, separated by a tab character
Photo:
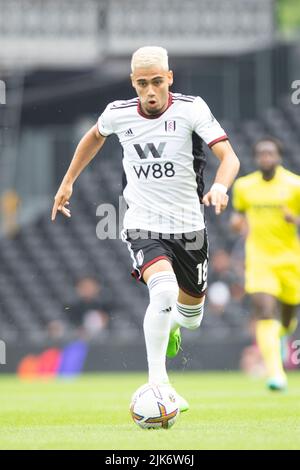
162	135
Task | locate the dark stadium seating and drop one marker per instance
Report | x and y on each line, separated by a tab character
40	266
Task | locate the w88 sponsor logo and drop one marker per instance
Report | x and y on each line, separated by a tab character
156	170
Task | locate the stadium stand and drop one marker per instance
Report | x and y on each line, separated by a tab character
40	265
81	62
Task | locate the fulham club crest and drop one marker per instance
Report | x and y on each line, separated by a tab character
170	126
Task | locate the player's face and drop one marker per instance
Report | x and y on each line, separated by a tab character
267	156
152	87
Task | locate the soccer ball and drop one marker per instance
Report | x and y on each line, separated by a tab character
154	407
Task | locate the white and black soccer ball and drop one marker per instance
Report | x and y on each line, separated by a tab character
154	407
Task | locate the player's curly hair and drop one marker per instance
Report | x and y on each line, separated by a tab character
268	138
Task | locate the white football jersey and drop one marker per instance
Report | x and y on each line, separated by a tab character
163	161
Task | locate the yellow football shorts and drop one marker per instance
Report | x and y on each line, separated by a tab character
282	282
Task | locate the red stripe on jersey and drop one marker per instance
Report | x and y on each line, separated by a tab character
155	116
220	139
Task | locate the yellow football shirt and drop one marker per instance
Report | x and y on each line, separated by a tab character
270	237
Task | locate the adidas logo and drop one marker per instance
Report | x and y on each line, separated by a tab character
129	133
166	310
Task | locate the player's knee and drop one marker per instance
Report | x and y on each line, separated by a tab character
190	316
163	290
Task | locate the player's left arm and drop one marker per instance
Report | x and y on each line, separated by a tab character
292	215
226	174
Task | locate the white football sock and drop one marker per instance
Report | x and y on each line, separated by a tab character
187	316
163	291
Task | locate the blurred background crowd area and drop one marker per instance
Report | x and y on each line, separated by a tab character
62	62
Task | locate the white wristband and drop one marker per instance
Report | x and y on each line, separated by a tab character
219	187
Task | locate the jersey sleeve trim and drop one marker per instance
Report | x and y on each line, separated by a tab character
104	129
102	135
100	130
219	139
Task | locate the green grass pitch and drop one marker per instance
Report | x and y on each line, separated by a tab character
228	411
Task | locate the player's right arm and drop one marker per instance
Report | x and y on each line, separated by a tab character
86	150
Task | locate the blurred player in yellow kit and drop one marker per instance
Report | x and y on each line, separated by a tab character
270	200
